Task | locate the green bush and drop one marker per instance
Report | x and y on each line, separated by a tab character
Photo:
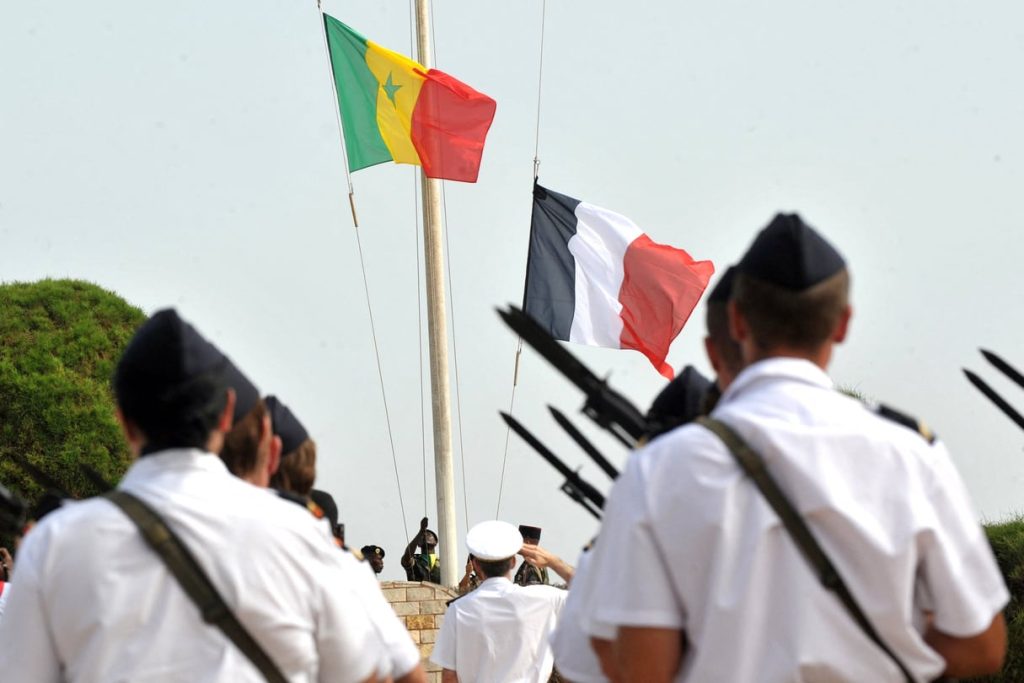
1007	540
59	342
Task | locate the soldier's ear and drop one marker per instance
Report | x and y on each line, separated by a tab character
132	434
275	455
227	416
738	328
843	327
712	353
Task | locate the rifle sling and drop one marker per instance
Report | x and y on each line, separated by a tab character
754	466
196	584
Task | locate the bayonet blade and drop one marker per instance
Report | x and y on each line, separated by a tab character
584	443
991	394
574	478
610	409
1004	367
548	347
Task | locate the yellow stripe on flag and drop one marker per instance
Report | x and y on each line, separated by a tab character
396	97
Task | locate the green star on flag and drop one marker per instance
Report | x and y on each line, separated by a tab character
390	89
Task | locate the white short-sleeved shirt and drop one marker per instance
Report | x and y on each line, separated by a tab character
5	592
499	633
688	542
574	658
95	604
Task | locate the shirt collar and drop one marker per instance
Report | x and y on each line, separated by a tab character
497	582
779	368
149	466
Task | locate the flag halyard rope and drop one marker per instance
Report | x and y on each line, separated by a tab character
362	266
380	376
536	174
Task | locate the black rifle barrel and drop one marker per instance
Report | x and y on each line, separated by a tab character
1004	367
574	478
604	405
1000	402
584	443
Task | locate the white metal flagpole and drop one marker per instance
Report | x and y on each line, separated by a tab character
437	330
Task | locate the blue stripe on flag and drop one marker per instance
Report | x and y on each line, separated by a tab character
550	296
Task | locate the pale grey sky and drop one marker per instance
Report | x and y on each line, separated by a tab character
187	154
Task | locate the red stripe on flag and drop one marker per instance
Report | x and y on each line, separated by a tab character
661	285
449	126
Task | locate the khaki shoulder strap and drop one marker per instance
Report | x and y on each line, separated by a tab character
196	584
754	467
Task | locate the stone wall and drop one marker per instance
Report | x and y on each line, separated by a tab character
421	608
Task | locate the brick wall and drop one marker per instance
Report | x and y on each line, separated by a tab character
421	608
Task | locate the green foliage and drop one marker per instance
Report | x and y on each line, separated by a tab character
1007	540
59	343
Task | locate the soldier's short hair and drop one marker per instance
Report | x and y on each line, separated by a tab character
721	338
297	471
496	568
798	319
241	444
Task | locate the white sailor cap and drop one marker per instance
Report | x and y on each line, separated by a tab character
494	540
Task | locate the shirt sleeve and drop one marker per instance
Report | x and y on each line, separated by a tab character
402	654
631	572
960	573
28	652
349	646
444	649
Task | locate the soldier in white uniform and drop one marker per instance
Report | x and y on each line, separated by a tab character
95	603
498	632
678	403
696	572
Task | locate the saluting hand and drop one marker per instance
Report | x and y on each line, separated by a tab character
541	558
537	556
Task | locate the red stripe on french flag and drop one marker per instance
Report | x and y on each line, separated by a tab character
595	278
661	286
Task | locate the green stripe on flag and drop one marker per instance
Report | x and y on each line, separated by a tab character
357	96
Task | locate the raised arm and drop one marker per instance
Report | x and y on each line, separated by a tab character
541	558
417	540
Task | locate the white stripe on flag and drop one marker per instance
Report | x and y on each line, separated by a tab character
599	247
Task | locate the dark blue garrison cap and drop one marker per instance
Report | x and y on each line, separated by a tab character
680	401
246	393
286	425
790	254
722	291
165	354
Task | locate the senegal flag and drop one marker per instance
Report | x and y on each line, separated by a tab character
394	109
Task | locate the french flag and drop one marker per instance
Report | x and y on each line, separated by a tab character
593	277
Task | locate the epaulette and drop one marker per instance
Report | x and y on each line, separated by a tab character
312	507
907	421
